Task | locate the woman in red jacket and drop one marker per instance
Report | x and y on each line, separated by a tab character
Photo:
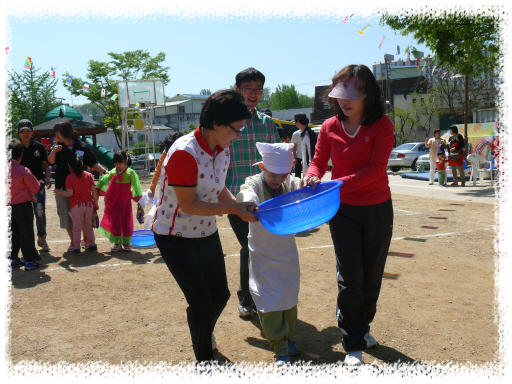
359	140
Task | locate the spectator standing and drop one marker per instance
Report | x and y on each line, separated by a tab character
35	158
436	145
243	154
23	186
67	146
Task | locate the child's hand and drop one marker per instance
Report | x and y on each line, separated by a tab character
151	193
58	191
96	207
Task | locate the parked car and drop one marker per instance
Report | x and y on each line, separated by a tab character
140	163
406	156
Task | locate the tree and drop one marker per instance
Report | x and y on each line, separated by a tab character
31	97
264	101
419	119
467	44
205	92
286	97
131	65
451	91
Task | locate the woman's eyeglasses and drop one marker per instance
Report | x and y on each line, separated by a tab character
237	131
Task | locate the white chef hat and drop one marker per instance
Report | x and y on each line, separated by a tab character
277	158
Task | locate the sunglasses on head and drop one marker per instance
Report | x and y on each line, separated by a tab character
24	124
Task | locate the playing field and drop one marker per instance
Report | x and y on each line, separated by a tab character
126	307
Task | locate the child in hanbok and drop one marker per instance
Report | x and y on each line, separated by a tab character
120	186
274	271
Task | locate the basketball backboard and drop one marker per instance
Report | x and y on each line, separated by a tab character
142	91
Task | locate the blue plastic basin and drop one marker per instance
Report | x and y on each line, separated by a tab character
143	238
300	210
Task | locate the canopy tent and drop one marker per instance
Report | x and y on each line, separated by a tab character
63	111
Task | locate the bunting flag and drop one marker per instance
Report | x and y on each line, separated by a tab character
362	30
52	72
443	75
114	97
137	105
457	75
397	49
6	51
69	80
408	58
418	63
102	93
28	63
86	87
347	18
433	70
127	102
382	41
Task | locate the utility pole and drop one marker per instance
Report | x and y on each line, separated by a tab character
389	97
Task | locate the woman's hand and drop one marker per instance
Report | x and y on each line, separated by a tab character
313	181
58	191
245	211
426	140
57	148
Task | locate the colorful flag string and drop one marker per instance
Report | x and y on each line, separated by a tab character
382	41
362	30
347	18
28	63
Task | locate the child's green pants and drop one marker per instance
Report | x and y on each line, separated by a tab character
441	176
278	326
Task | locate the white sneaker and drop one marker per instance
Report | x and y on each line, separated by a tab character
214	343
245	312
370	341
431	183
354	358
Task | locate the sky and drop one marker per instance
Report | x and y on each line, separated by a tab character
207	52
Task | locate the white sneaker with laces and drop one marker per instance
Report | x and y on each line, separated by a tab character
370	341
354	358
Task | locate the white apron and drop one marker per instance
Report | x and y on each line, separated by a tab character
274	271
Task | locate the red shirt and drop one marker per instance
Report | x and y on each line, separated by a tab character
81	187
360	161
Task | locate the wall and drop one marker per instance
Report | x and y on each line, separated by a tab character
108	141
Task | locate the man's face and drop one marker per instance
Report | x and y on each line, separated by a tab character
25	135
252	98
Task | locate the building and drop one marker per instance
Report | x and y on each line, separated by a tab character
179	111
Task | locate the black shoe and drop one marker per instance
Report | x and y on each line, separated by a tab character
93	248
76	251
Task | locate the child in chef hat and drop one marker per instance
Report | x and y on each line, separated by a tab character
274	272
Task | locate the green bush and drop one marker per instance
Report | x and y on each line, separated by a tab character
138	149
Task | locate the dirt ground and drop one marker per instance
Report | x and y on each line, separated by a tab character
127	307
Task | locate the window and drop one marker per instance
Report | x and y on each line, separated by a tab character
181	109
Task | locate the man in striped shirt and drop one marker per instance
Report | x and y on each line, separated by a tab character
261	128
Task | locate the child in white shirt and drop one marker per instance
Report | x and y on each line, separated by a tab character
274	272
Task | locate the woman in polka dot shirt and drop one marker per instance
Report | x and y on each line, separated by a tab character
192	193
